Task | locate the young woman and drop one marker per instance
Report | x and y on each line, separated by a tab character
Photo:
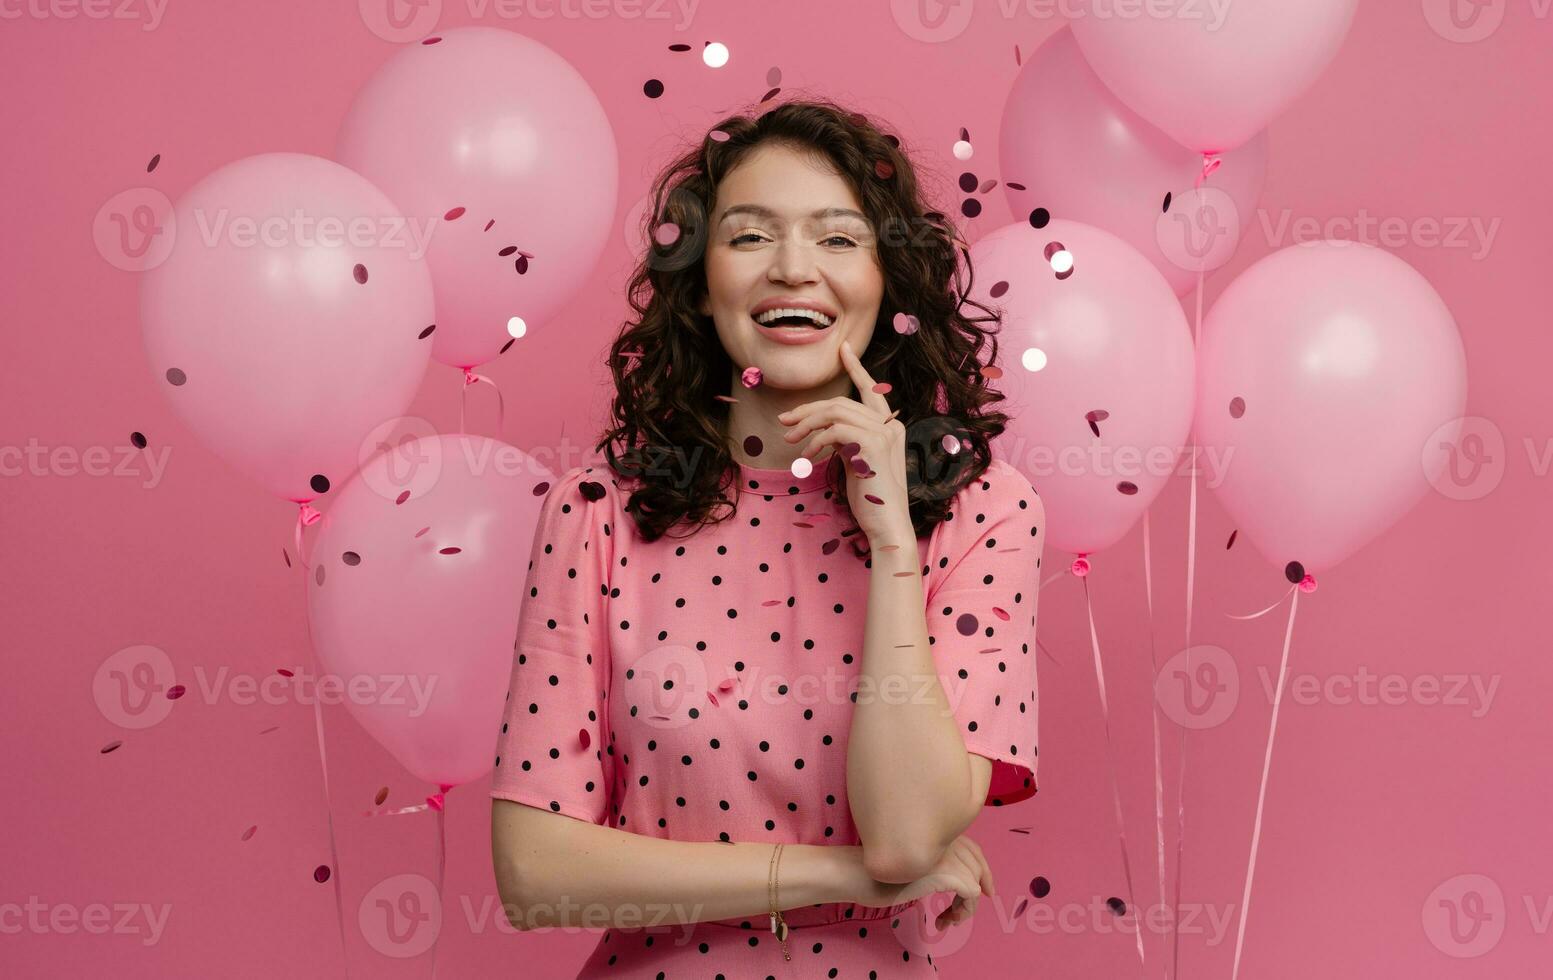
774	659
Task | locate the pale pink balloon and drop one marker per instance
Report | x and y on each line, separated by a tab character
280	335
494	144
1326	373
1079	153
1097	373
416	602
1211	75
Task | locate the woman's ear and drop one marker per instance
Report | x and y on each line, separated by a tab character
704	304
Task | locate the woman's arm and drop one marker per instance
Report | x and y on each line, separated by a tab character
912	786
556	870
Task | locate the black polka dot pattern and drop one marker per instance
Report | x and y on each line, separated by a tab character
701	688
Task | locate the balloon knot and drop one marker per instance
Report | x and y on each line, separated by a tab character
1081	565
308	515
435	801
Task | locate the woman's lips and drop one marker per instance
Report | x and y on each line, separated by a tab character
793	335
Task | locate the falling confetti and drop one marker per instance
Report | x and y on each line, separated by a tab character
653	88
449	551
1039	217
138	440
176	376
248	834
1094	418
883	388
751	376
351	558
1237	407
382	794
360	272
154	161
801	467
715	54
998	289
1231	542
175	692
884	169
905	323
830	546
753	446
321	873
583	738
966	624
110	746
1040	887
426	333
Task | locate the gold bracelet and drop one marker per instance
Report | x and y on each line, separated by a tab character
778	924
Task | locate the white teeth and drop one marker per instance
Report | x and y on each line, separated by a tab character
776	314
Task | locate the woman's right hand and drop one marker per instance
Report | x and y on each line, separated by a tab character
963	870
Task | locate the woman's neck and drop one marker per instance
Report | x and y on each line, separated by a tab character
755	412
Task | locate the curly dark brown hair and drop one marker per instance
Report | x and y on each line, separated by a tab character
669	367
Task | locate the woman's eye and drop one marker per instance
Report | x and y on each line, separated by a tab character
842	239
747	235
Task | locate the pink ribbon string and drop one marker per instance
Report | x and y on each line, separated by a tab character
437	803
1159	780
1261	795
306	517
1210	164
1116	793
471	378
334	850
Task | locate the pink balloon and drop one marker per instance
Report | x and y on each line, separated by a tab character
1097	374
497	146
1211	75
416	603
286	321
1079	153
1327	372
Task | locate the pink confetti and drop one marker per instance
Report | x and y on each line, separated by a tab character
250	832
453	214
284	672
830	546
175	692
712	698
583	738
422	530
883	388
1000	614
450	550
726	685
321	873
718	136
403	496
905	323
666	234
872	499
110	746
751	376
272	728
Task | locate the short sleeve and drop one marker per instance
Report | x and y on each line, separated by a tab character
551	749
984	568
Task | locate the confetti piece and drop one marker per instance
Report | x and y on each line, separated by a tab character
830	546
986	185
872	499
801	467
1094	418
426	333
905	323
1127	487
175	692
802	524
382	794
666	234
272	728
321	873
1039	217
110	746
449	551
507	251
1116	905
966	624
154	161
422	531
176	376
247	834
1021	906
751	376
772	602
653	88
1020	830
284	672
950	443
286	555
883	388
718	136
453	214
726	685
1040	887
583	738
1000	613
774	76
998	289
884	169
138	440
968	182
1237	407
360	272
770	95
679	47
991	372
1013	186
541	488
726	398
488	225
712	698
1231	542
989	650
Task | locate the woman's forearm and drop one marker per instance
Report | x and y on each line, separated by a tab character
554	870
908	775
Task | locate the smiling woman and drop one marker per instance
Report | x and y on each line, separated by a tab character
720	734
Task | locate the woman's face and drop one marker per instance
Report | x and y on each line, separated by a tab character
787	231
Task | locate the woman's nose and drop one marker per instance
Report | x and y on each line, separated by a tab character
792	262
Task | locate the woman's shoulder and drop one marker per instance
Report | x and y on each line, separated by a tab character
1001	491
588	490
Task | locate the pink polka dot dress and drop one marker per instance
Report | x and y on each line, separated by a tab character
697	688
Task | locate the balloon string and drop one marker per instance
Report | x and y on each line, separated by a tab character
1159	780
1269	609
1261	795
1116	793
306	517
435	801
334	851
501	404
1210	164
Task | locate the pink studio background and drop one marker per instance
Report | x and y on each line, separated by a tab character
1371	806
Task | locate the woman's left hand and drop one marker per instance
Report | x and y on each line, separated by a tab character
873	445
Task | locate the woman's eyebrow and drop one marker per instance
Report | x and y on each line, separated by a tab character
761	211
